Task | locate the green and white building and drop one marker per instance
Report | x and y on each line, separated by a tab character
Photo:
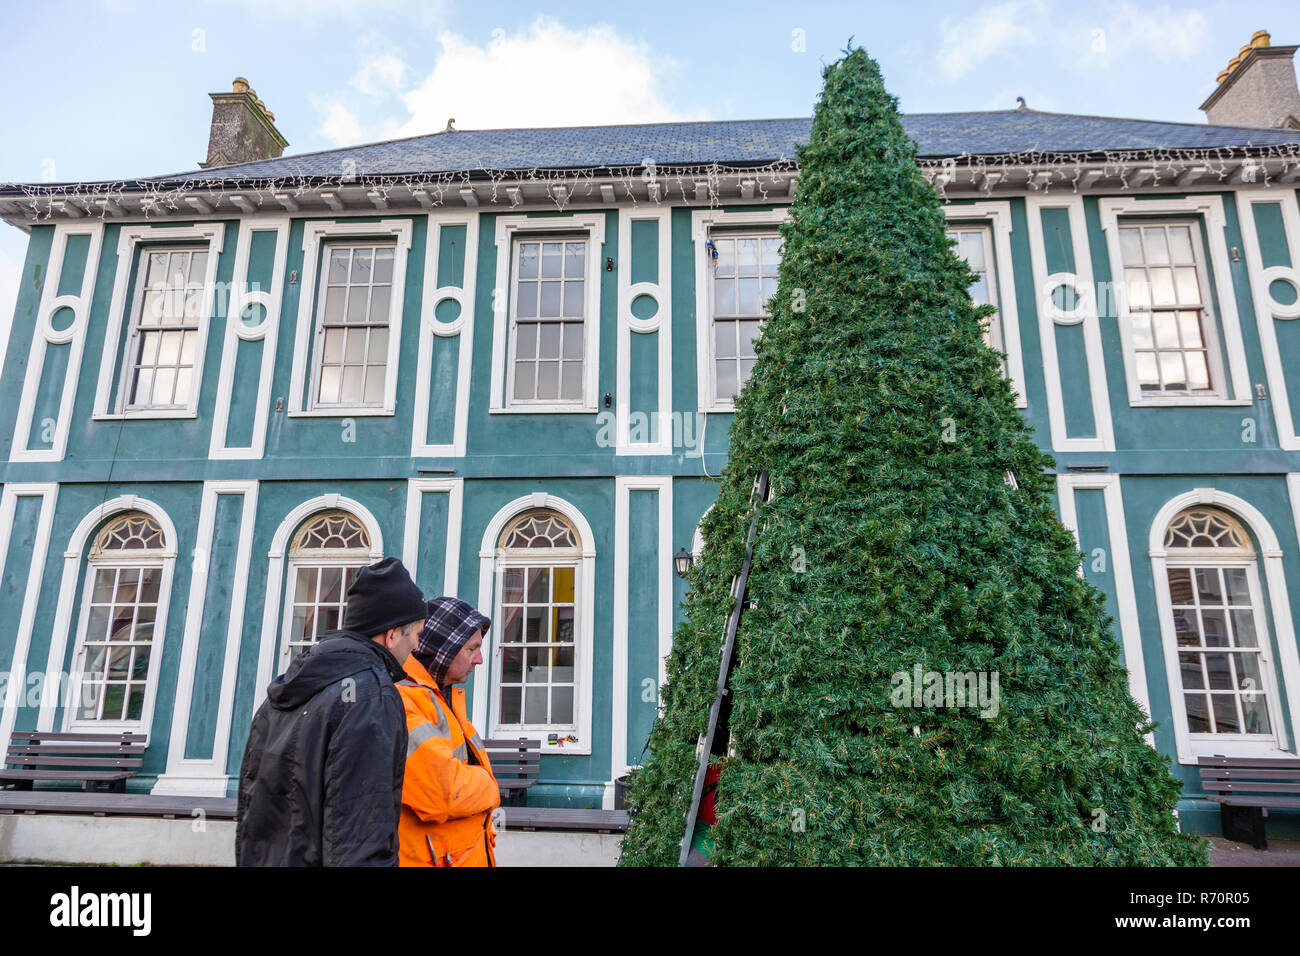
509	357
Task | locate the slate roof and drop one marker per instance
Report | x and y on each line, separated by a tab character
739	142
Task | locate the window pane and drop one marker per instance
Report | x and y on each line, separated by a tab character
725	264
548	380
355	351
1219	671
1162	287
1166	328
338	268
771	252
526	340
379	304
374	385
526	302
727	384
749	333
525	379
1215	628
550	301
1198	373
1130	244
972	250
334	299
329	384
724	297
536	667
724	339
1208	587
1171	369
1142	331
535	705
378	351
1185	629
572	340
1190	666
1198	710
747	257
1156	248
575	257
513	585
528	252
1189	290
350	391
149	580
571	381
1238	589
510	705
1256	715
358	299
748	303
1189	326
104	580
1225	714
1148	376
562	705
552	267
183	386
1243	628
383	265
512	664
164	381
573	293
143	387
361	266
1180	244
539	585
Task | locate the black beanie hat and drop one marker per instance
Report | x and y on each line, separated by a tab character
382	597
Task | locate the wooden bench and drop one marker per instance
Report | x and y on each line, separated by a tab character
101	804
516	764
94	760
1245	787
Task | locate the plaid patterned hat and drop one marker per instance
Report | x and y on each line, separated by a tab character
449	625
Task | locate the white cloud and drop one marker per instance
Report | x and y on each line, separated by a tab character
966	44
547	75
340	126
1166	34
380	74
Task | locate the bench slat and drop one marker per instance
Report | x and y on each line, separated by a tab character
523	768
83	738
131	750
1240	800
1250	786
1234	773
25	761
1262	763
134	804
552	818
66	774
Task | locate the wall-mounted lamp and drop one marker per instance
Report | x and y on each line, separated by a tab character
682	561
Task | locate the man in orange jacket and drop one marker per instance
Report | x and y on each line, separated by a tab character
449	791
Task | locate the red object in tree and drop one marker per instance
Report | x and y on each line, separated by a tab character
709	797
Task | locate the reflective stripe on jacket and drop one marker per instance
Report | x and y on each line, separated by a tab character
447	801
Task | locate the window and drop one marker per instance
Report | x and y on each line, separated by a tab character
975	245
1173	339
548	311
166	317
353	310
744	278
123	584
325	556
1229	689
535	679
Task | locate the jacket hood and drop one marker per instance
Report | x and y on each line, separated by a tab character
339	654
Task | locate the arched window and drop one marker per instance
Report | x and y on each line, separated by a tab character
535	678
1229	687
116	634
324	557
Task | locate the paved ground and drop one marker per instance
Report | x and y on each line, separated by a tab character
1279	853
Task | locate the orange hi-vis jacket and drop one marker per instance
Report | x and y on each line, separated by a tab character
447	799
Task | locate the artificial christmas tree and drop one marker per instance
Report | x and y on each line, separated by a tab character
909	550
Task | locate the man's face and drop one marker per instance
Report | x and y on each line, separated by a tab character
402	640
468	659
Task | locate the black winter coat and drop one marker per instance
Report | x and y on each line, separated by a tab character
321	781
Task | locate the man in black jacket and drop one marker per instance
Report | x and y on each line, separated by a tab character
321	782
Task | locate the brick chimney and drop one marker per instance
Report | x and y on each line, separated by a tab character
1258	88
243	129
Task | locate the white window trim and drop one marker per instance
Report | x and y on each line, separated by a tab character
484	697
314	234
119	319
72	569
1192	746
499	401
268	652
702	222
998	215
1235	391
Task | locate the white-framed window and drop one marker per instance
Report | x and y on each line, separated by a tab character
163	338
164	292
537	664
1228	696
744	275
975	245
1174	337
1173	294
548	315
350	354
124	597
324	557
349	328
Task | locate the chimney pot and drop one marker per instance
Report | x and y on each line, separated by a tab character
240	85
1259	38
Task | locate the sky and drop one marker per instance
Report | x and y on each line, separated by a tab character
105	89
